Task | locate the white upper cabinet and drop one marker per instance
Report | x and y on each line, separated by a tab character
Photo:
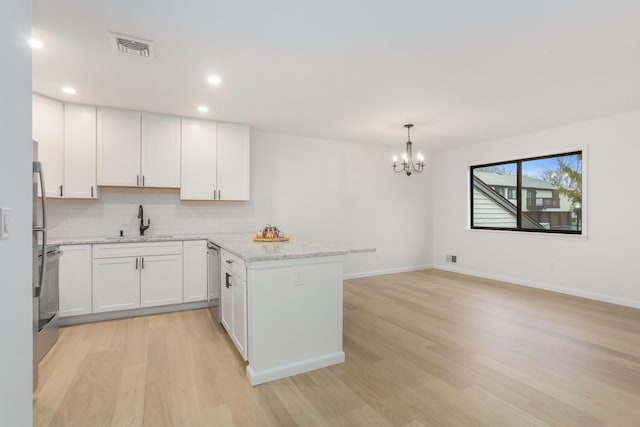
80	152
160	165
215	161
48	131
233	161
83	147
118	148
138	150
199	160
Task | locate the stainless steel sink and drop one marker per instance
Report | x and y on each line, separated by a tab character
158	237
140	238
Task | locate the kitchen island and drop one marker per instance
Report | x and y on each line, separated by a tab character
294	305
280	302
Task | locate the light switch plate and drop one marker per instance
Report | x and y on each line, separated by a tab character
4	223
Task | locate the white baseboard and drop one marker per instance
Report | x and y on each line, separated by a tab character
121	314
568	291
296	368
387	271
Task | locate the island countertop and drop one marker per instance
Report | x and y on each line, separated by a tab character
240	244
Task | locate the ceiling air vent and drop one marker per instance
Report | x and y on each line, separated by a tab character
131	45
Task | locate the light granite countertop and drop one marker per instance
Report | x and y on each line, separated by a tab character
240	244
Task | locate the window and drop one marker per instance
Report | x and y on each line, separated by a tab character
542	194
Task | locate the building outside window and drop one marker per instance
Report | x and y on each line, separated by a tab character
537	194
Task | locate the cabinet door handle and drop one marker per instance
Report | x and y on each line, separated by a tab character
227	281
143	180
219	196
61	191
137	179
142	263
228	261
92	191
136	263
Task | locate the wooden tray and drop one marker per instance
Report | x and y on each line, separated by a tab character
275	239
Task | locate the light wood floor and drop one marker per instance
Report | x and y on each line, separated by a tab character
426	348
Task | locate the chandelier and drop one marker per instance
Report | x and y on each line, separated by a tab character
408	166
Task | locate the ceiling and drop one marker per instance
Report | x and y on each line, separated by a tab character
462	71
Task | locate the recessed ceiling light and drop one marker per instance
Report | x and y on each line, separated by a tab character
203	108
69	90
36	44
214	80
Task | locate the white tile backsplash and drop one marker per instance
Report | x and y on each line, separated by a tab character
117	209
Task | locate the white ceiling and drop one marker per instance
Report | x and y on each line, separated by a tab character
463	71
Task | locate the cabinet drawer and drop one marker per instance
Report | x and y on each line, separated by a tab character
116	250
235	264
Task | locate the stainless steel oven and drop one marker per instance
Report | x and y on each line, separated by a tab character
48	301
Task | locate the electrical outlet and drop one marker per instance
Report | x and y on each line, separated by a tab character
299	278
4	223
452	258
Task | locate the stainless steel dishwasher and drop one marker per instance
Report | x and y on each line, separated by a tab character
213	276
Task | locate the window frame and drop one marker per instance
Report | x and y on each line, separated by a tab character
519	192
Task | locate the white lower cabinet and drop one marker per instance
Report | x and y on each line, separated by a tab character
116	284
239	324
75	280
233	300
133	275
226	301
160	280
195	270
122	276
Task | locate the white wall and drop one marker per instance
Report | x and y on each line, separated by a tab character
603	265
16	351
331	190
347	192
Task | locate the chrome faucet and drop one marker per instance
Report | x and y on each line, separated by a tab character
143	227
